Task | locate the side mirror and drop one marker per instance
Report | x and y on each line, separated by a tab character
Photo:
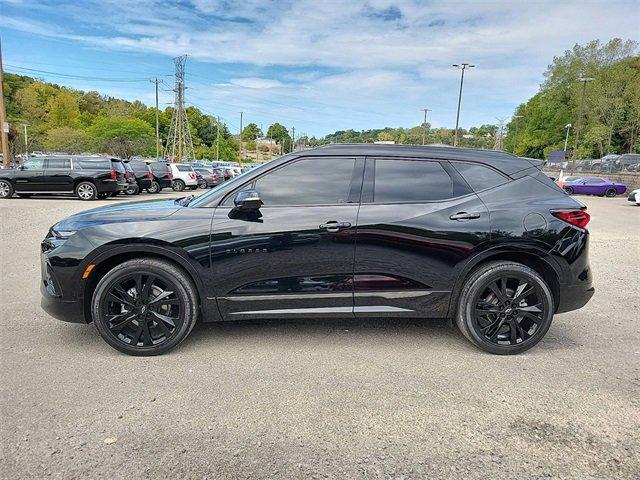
247	200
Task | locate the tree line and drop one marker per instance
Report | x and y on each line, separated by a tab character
72	121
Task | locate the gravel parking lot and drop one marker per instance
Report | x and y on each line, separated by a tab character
322	399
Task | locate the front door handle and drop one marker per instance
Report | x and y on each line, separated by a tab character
334	226
464	216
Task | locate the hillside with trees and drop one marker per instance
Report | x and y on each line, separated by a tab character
67	120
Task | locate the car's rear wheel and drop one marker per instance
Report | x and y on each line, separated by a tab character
132	189
145	306
569	190
154	188
86	191
178	185
505	308
611	192
6	189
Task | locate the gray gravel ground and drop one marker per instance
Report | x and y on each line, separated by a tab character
330	399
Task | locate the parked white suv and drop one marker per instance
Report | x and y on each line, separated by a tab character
183	177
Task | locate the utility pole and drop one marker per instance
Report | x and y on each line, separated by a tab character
240	137
424	126
462	67
584	81
4	126
26	141
566	138
218	140
156	81
293	138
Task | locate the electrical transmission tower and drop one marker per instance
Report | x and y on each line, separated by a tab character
499	134
179	143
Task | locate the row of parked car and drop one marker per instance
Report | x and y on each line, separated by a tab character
91	177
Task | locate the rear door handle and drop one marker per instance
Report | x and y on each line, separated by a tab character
334	226
464	216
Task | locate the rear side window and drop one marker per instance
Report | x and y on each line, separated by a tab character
184	168
159	167
92	164
312	181
139	167
410	181
59	163
479	177
119	166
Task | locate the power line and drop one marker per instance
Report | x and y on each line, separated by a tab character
78	77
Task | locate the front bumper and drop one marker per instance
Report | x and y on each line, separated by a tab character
67	311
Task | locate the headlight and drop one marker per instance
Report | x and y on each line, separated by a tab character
60	234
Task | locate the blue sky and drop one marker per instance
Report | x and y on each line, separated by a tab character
317	65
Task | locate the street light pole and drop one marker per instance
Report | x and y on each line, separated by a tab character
462	67
584	81
424	126
26	142
566	138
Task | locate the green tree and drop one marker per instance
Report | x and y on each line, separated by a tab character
123	137
63	110
280	135
68	140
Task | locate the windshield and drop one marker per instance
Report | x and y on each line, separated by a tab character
233	182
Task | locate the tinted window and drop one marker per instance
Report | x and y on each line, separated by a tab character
92	164
119	166
159	167
479	177
410	181
184	168
139	167
62	163
313	181
594	181
33	164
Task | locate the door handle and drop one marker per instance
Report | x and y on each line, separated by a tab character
334	226
464	216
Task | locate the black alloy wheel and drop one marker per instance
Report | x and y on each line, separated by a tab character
569	190
144	306
611	192
505	308
154	188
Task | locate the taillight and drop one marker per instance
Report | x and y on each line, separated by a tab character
192	175
577	218
114	174
149	175
214	176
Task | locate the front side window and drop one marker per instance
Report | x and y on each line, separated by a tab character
479	177
310	181
410	181
33	164
59	163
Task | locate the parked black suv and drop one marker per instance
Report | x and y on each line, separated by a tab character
140	174
339	231
162	176
87	177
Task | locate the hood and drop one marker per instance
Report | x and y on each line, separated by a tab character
133	212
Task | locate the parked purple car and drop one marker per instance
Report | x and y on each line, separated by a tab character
595	186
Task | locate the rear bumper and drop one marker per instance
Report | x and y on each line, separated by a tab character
574	297
164	182
110	186
144	183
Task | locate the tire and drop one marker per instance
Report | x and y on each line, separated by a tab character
569	190
132	189
6	189
178	185
611	193
154	188
152	334
86	191
506	327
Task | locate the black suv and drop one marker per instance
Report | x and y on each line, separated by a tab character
86	177
162	176
339	231
140	176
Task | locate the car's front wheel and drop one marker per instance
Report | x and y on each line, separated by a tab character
505	308
6	189
145	306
